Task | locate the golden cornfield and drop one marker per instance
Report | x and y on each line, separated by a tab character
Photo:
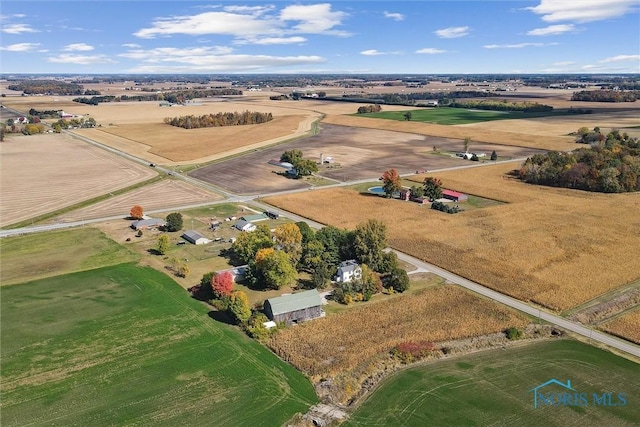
627	326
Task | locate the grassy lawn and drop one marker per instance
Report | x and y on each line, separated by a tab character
124	345
34	256
456	116
493	388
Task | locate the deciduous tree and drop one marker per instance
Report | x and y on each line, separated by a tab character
136	212
272	269
222	284
163	244
391	182
289	239
174	221
432	188
370	238
239	307
247	245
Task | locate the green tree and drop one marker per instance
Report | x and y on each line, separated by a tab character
321	275
307	232
313	254
163	244
370	238
247	244
239	307
291	156
432	188
391	182
494	155
398	279
272	269
370	282
174	221
417	191
407	116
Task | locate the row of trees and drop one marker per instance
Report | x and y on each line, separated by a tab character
392	183
219	119
303	167
47	87
611	165
503	105
372	108
606	95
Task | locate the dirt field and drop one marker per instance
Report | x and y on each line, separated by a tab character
556	247
43	173
358	154
165	194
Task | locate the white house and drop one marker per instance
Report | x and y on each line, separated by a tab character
348	271
243	225
194	237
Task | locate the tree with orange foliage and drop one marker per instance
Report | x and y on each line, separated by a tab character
391	182
222	284
136	212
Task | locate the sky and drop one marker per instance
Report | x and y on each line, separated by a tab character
314	37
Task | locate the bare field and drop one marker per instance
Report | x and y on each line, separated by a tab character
626	326
43	173
357	153
555	247
165	194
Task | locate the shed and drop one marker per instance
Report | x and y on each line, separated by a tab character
149	223
294	308
194	237
254	218
243	225
348	271
454	195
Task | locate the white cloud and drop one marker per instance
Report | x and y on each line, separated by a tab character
18	29
563	63
552	30
394	16
21	47
582	10
430	50
371	52
77	47
69	58
452	32
131	45
272	40
247	23
163	54
517	45
619	58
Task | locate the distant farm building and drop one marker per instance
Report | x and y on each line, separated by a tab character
147	224
294	308
194	237
243	225
254	218
348	271
454	195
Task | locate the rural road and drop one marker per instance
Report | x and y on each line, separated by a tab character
561	322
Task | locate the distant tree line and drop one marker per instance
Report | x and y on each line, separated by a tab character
219	119
43	114
95	100
606	95
503	105
47	87
611	165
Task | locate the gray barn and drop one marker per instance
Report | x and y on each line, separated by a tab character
294	307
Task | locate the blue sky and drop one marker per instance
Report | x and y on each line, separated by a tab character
404	37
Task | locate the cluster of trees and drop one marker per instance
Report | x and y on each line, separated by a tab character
503	105
47	87
443	207
217	287
606	96
94	100
392	183
274	261
371	108
610	165
43	114
219	119
303	167
80	122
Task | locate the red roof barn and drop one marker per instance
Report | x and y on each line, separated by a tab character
454	195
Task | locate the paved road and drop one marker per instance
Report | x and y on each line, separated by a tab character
561	322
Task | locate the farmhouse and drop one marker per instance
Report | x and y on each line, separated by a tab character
454	195
194	237
243	225
294	308
148	224
348	271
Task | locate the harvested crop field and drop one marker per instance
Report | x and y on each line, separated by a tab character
44	173
626	326
555	247
357	154
165	194
338	343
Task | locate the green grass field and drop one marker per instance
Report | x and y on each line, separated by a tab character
493	388
125	345
34	256
457	116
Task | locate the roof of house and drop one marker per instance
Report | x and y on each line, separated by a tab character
347	266
451	193
147	222
192	235
242	224
256	217
292	302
